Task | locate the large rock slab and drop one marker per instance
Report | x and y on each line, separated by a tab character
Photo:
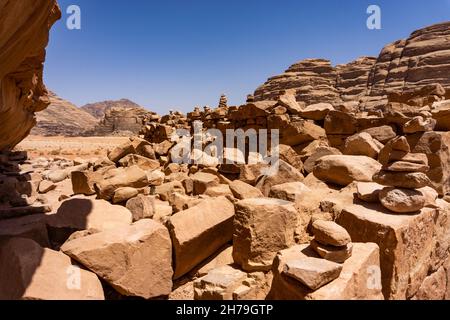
198	232
343	170
31	272
312	272
30	227
262	227
405	241
79	214
358	280
136	260
219	284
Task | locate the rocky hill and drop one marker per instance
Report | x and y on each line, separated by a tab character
98	109
405	65
63	118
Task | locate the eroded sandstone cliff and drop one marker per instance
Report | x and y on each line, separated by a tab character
24	34
405	65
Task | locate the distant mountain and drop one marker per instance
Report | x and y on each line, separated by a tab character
63	118
99	109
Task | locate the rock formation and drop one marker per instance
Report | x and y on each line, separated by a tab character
124	121
402	67
99	109
357	208
23	37
62	118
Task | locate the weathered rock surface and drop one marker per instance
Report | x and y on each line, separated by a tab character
199	232
352	284
405	241
343	170
63	118
30	272
136	260
24	36
262	227
368	79
402	200
312	272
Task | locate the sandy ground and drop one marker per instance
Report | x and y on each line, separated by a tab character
69	147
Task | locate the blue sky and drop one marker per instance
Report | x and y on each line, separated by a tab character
175	54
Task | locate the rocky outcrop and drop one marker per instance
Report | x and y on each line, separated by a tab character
24	34
99	109
120	121
403	67
63	118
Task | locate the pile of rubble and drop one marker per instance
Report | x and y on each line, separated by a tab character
327	223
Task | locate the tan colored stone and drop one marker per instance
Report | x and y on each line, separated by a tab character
403	166
166	190
136	260
407	180
78	214
406	244
361	269
202	181
433	287
220	190
382	134
330	233
262	227
291	191
343	170
319	153
141	207
199	232
219	284
331	253
30	272
124	194
124	177
144	163
369	191
362	144
402	200
242	190
46	186
285	173
312	272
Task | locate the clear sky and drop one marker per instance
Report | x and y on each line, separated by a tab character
175	54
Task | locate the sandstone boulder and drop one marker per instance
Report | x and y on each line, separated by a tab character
319	153
219	284
332	253
31	272
202	181
242	190
330	233
359	279
199	232
369	191
312	272
124	177
79	214
402	200
343	170
362	144
262	227
291	191
136	260
407	180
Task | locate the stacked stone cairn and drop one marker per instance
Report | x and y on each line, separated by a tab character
404	174
333	245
